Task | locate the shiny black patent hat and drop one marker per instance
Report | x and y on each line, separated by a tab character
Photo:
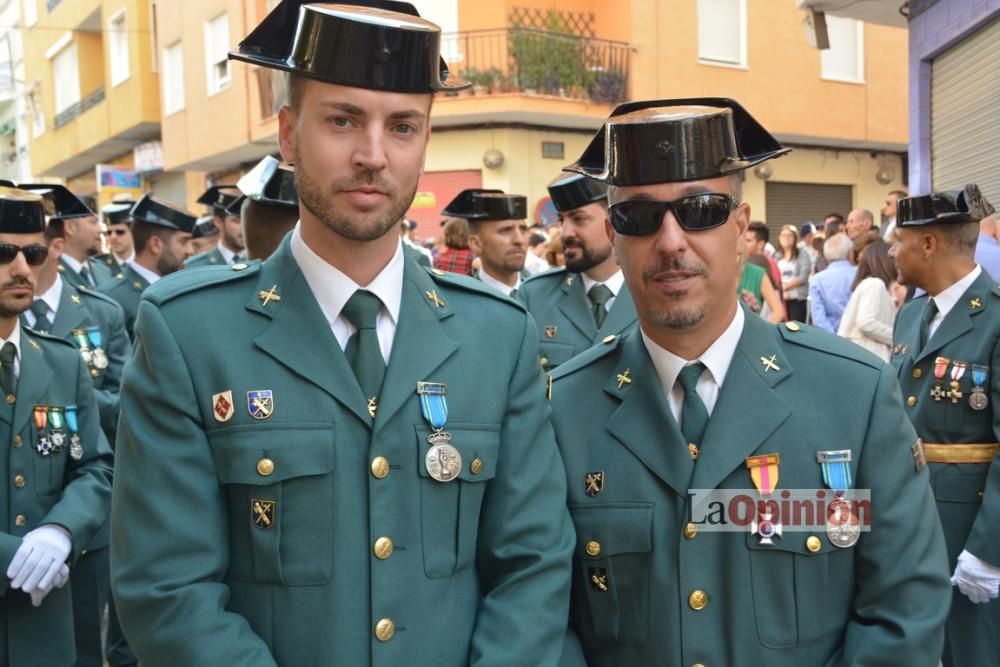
155	211
945	207
205	227
376	44
219	196
59	203
118	213
668	141
271	182
478	205
571	191
21	211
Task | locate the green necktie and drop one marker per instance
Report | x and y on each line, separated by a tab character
363	350
40	310
85	274
930	312
8	379
599	295
513	294
694	414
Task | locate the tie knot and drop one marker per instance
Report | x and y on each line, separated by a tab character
930	310
39	308
599	294
362	309
7	353
689	376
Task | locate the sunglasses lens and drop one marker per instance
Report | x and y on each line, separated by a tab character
35	254
638	217
700	212
8	252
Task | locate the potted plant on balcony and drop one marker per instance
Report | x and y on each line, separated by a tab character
607	86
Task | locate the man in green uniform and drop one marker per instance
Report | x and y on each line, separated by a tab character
229	250
337	457
205	237
269	208
58	465
498	235
584	303
117	220
704	400
161	233
946	353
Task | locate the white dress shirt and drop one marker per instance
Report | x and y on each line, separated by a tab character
149	275
503	288
51	298
716	359
614	283
15	338
79	266
227	255
947	299
332	288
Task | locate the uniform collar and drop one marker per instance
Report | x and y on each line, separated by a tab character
53	295
227	254
614	283
147	275
72	263
332	288
947	299
503	288
716	358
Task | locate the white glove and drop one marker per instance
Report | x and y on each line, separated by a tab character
978	580
40	562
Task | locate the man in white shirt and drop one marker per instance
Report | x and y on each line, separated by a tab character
888	212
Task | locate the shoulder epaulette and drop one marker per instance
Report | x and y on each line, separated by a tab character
826	342
587	357
97	295
48	338
183	282
470	284
557	272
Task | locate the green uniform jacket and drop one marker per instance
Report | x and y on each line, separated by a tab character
58	490
109	260
209	258
101	272
882	601
413	253
968	495
566	327
480	568
126	289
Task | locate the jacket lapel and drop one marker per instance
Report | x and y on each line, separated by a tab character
958	321
33	380
68	274
748	410
421	344
643	422
573	305
298	333
71	314
621	316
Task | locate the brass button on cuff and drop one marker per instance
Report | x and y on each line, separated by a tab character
698	600
384	630
593	548
383	548
813	544
265	467
380	467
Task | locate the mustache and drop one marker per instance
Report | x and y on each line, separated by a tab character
368	179
17	282
673	264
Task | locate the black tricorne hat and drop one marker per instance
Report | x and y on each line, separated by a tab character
59	202
376	44
21	211
117	213
477	205
271	182
667	141
571	191
219	197
945	207
204	227
155	211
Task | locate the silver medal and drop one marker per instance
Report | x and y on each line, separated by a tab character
99	359
842	525
443	461
58	440
87	355
44	445
75	448
978	400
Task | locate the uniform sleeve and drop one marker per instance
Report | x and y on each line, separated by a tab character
117	347
169	533
902	579
982	541
526	536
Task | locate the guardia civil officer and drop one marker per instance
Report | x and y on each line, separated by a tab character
230	249
205	236
587	301
269	208
946	352
117	220
161	232
498	235
57	465
337	457
705	396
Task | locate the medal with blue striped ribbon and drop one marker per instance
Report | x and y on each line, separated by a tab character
842	525
442	461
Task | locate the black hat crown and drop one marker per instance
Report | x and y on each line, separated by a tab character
478	205
944	207
271	182
157	212
59	202
21	211
572	191
117	213
204	227
219	196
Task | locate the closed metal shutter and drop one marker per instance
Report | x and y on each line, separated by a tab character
965	114
796	203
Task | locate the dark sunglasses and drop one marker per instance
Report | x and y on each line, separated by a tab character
117	232
694	213
34	254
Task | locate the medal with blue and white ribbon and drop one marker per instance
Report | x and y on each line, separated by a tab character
978	400
75	448
99	358
442	461
842	525
83	343
57	433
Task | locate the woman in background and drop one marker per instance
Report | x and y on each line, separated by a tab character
869	314
795	266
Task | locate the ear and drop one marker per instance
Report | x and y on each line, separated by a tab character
155	245
56	248
928	245
287	120
475	245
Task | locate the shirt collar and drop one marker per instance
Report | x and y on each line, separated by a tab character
716	358
126	260
72	263
150	276
53	294
15	338
503	288
227	254
947	299
614	283
332	288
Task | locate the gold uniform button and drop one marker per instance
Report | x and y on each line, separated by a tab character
380	467
608	339
545	361
19	481
383	548
20	520
265	467
813	544
690	530
384	630
593	548
476	466
11	398
911	401
240	266
697	664
18	441
917	372
698	600
94	372
793	326
693	451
